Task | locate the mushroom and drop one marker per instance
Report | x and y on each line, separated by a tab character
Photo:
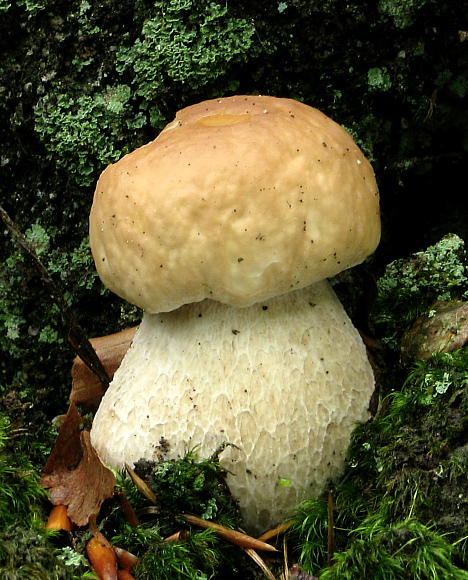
224	229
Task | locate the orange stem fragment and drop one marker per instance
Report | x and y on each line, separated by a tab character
125	559
58	519
180	536
102	558
124	575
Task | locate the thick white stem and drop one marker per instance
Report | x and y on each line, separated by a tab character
284	381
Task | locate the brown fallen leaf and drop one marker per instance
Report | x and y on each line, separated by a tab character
68	439
87	389
232	536
74	473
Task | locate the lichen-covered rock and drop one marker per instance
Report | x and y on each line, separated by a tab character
443	329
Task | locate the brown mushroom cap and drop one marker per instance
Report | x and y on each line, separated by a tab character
238	199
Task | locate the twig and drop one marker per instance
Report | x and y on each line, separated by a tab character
281	529
331	530
77	337
285	573
232	536
127	509
259	561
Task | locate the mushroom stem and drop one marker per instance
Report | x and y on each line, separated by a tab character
284	381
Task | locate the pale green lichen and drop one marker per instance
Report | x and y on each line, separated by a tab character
82	134
410	286
402	12
187	43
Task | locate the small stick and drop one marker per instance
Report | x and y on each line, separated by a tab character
232	536
127	509
331	530
77	337
281	529
259	561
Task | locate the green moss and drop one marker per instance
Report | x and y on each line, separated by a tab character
399	551
196	557
401	507
188	485
29	554
20	494
193	486
32	7
27	550
379	79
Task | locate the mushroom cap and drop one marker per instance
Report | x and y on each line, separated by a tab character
239	199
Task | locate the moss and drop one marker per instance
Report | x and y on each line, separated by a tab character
31	7
194	557
20	494
379	79
401	507
27	550
403	550
30	554
402	12
188	485
193	486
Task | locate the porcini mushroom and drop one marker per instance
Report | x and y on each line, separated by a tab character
224	229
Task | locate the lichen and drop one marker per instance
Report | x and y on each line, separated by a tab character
410	286
185	42
83	134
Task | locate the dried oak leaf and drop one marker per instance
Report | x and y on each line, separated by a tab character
74	473
87	389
